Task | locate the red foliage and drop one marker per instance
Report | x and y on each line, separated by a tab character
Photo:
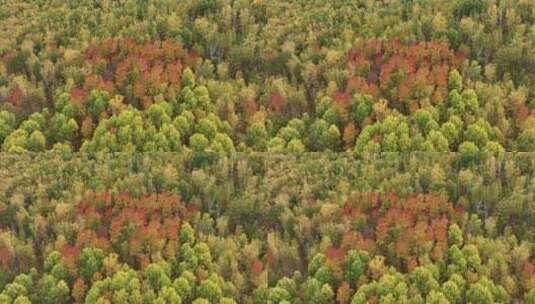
401	73
78	95
402	228
528	271
250	107
269	256
5	257
16	97
411	264
276	102
522	113
257	266
143	224
192	58
78	290
335	254
69	257
357	83
69	251
342	101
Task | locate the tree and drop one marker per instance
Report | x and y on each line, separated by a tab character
62	129
90	262
477	293
198	142
526	140
222	144
16	64
207	128
356	263
168	295
530	297
455	235
124	286
22	300
257	136
188	78
451	292
455	81
436	297
51	290
361	107
210	290
97	102
476	134
468	151
424	280
158	275
79	290
159	114
7	124
183	288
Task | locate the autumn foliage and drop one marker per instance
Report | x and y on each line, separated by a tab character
133	227
136	70
401	228
405	74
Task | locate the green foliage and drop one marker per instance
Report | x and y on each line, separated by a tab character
7	124
526	140
455	236
130	131
90	262
16	64
198	142
356	263
361	107
97	102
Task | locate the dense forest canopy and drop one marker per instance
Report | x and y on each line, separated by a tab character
267	228
276	76
267	151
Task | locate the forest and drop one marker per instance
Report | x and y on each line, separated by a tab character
267	151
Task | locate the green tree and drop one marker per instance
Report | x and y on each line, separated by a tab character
97	102
210	290
477	293
355	264
90	262
198	142
7	124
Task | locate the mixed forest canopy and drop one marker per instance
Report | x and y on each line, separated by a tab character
276	76
161	151
266	228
